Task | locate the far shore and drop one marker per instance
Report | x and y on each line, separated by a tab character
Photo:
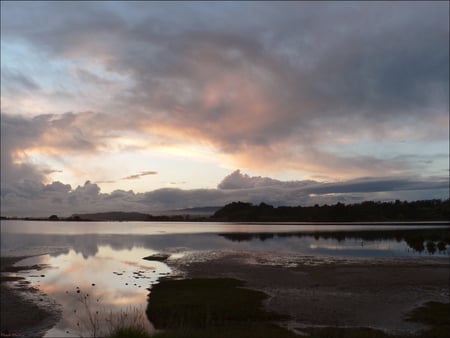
373	212
184	219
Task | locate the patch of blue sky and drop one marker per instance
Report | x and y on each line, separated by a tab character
73	82
50	74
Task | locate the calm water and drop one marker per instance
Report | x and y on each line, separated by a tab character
97	267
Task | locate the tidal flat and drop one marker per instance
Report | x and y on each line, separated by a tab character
346	298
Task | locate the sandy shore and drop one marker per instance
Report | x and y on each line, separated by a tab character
360	293
25	311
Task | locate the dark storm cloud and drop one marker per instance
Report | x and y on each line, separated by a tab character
238	180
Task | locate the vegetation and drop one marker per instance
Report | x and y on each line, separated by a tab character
218	307
90	319
429	210
115	216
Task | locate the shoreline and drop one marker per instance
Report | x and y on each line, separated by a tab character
25	310
312	292
437	222
342	294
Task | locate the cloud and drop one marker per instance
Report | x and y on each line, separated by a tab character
285	87
238	180
50	135
29	198
137	176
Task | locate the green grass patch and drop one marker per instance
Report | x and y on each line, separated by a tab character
218	307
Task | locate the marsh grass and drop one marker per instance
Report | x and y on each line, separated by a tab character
218	307
93	320
88	317
128	323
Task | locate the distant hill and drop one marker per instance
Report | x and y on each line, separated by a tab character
197	214
201	211
113	216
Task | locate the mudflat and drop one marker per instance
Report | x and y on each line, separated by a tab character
374	294
21	314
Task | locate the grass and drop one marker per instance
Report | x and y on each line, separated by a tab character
128	323
92	320
218	307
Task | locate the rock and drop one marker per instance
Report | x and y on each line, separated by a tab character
160	257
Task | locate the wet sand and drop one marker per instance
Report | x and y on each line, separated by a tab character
25	311
345	293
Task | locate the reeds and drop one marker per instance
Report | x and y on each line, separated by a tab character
94	320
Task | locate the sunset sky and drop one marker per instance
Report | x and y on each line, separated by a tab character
149	106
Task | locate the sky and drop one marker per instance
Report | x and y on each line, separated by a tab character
150	106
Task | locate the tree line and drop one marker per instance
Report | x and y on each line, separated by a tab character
369	211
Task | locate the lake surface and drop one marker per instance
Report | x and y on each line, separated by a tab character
96	268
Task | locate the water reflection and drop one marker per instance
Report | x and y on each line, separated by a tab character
432	241
351	243
92	290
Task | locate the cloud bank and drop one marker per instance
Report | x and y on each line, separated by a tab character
36	199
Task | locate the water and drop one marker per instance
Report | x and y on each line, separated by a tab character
95	269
